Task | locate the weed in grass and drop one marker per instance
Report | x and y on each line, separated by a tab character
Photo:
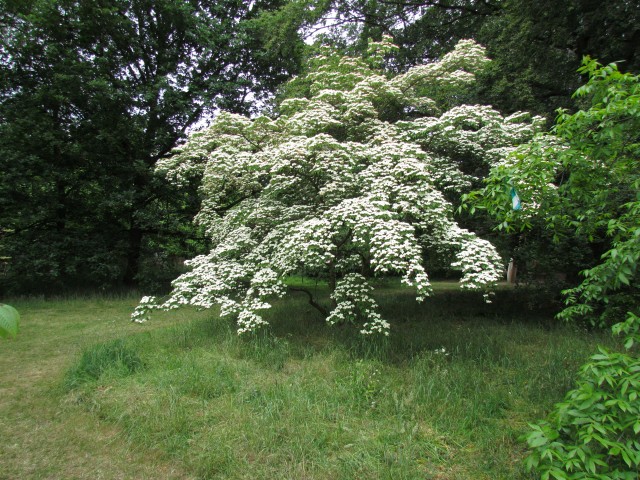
116	358
364	383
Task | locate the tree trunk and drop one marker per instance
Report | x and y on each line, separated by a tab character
512	272
61	208
134	242
312	301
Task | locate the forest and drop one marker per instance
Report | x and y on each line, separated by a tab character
94	95
275	191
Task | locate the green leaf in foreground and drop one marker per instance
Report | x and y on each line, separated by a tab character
9	321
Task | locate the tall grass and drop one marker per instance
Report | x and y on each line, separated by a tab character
44	433
446	396
115	358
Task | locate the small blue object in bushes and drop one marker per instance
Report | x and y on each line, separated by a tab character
515	200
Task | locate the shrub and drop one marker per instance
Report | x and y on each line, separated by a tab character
593	433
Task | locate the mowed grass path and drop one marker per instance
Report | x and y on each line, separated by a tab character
446	397
42	435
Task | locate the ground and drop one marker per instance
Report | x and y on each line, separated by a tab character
447	397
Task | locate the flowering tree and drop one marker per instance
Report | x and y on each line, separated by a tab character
337	185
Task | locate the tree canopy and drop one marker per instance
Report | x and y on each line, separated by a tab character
92	95
337	186
536	46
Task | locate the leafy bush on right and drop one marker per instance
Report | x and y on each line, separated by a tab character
583	180
593	433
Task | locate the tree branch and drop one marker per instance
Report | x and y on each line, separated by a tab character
490	8
226	208
312	302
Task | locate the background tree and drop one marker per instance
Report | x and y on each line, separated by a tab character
338	186
92	95
582	180
536	46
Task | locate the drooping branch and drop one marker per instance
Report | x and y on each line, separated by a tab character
312	302
346	238
223	209
485	7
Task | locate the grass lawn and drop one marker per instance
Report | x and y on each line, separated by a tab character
86	394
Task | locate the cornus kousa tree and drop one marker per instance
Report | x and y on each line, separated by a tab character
352	181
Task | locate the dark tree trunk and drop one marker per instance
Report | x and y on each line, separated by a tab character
61	208
141	191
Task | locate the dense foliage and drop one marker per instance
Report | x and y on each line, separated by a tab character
92	95
337	186
536	46
583	179
594	432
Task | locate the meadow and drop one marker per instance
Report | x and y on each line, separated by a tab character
84	393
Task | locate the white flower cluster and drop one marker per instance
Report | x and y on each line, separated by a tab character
456	69
141	313
480	263
467	141
354	304
331	186
441	352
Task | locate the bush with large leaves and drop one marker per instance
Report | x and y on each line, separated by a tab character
594	432
9	321
584	179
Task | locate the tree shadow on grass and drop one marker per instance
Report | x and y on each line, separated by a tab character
415	327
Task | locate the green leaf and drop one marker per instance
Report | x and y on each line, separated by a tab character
9	321
623	278
536	441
